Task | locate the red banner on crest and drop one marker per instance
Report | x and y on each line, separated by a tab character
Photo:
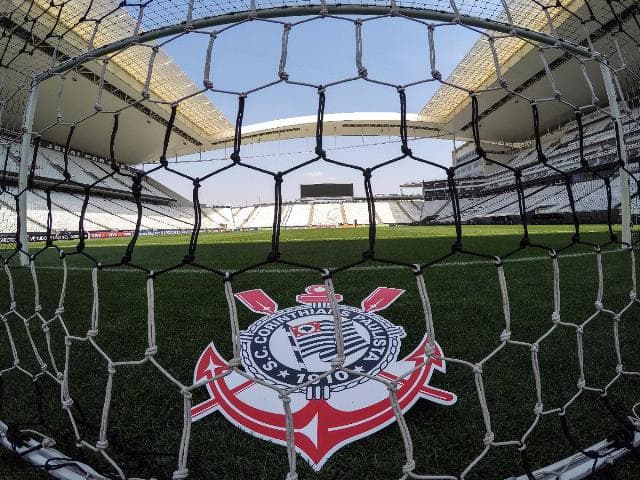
381	298
258	301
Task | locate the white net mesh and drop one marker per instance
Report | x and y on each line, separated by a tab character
581	60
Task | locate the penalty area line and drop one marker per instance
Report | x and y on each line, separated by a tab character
363	268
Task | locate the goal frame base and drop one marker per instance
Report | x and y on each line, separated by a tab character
40	452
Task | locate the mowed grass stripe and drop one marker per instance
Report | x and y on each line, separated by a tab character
342	234
363	268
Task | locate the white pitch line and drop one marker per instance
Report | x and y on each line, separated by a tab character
363	268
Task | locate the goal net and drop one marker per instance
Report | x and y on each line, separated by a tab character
486	327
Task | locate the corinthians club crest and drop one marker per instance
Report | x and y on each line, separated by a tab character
294	346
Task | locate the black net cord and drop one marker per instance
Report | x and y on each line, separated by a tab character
522	208
197	223
455	205
67	147
371	208
34	161
620	418
82	233
526	464
237	137
17	438
49	218
482	154
167	134
112	142
3	185
542	158
572	203
579	123
320	123
595	173
625	437
18	225
475	126
403	123
536	131
274	254
136	189
607	184
573	441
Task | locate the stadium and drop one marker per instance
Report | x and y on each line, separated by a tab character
319	240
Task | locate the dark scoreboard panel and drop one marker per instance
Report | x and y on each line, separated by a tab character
326	190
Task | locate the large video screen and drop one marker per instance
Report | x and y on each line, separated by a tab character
326	190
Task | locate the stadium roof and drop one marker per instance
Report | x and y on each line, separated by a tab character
168	83
525	73
478	66
125	76
364	124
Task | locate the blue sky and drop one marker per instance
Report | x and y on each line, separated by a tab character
247	56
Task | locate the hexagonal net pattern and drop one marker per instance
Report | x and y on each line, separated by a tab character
593	44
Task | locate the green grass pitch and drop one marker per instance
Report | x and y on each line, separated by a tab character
146	416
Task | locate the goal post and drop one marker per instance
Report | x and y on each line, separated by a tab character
23	183
625	193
